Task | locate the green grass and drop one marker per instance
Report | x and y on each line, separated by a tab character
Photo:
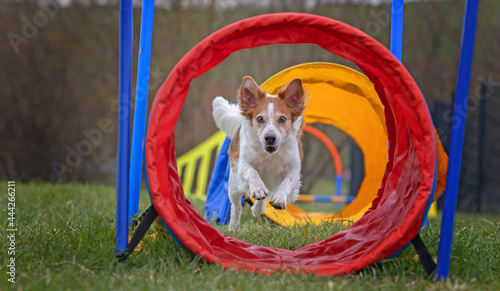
65	241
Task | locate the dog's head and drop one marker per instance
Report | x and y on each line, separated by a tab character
272	117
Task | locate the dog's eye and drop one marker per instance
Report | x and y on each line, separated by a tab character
260	120
282	119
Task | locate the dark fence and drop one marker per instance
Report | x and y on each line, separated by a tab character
479	189
480	178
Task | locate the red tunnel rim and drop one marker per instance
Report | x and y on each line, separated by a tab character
177	85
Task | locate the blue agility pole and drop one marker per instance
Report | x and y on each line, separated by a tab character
457	139
338	187
140	109
125	81
397	29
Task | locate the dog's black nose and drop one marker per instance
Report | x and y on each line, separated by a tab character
270	139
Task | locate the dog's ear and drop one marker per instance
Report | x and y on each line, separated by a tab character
293	94
248	94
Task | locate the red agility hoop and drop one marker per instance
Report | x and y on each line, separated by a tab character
398	210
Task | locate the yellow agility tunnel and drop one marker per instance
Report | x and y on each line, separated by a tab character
337	96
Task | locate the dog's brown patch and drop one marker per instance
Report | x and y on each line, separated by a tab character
249	95
294	97
234	149
301	153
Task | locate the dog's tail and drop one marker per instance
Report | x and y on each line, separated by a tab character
227	116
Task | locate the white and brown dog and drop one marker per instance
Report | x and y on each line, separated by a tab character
265	151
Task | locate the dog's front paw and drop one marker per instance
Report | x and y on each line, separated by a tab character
258	190
278	203
232	227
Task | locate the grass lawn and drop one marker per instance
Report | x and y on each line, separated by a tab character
65	241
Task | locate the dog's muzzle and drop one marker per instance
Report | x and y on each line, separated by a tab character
270	140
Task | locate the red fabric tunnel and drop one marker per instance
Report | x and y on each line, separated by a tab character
398	210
